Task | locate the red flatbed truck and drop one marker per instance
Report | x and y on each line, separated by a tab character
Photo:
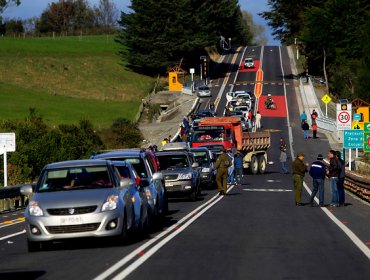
227	131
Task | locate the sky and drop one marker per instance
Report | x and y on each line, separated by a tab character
31	8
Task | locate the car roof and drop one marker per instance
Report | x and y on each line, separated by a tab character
174	152
120	153
77	163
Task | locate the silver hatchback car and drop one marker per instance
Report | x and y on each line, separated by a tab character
81	198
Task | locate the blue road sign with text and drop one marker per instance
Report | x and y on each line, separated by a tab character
353	139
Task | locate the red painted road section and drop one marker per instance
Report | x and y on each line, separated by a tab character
256	67
280	111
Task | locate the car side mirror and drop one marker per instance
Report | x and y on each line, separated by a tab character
158	176
125	183
26	190
195	165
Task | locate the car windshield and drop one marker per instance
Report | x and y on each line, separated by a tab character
201	157
203	88
137	163
172	161
208	136
75	178
248	60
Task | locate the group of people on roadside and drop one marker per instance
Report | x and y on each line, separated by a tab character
229	169
318	170
306	127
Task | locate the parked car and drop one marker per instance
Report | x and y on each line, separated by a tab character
248	62
205	159
214	148
145	164
204	91
137	192
243	109
79	198
180	173
239	93
204	113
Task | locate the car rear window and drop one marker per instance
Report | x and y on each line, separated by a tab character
137	163
173	161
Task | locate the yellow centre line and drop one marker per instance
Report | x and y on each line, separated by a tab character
232	62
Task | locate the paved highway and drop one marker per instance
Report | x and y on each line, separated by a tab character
255	232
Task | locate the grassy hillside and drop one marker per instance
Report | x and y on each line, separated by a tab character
68	78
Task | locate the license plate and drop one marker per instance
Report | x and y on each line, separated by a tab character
73	220
168	184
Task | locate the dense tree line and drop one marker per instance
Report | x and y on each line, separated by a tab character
156	35
39	144
68	17
334	36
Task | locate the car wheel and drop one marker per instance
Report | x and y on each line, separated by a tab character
193	196
261	164
254	165
124	235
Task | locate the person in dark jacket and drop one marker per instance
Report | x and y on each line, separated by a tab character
306	129
299	170
222	164
342	174
333	173
238	165
318	172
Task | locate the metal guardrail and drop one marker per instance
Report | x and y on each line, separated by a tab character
11	198
357	184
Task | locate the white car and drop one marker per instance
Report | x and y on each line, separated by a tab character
248	62
235	94
204	91
244	109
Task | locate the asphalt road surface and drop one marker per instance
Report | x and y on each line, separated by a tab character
255	232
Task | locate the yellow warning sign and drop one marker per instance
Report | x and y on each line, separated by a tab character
357	125
326	99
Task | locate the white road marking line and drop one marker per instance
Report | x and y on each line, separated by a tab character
353	237
134	254
14	222
12	235
153	250
357	241
267	190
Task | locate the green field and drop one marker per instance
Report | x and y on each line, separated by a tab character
68	78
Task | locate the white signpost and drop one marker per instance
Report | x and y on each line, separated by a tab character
7	144
344	116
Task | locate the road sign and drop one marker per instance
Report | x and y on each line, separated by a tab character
353	139
7	142
326	99
367	137
357	125
357	117
344	116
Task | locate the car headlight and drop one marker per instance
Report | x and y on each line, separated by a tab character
111	203
34	209
206	169
187	176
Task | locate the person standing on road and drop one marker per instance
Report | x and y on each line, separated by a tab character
314	130
333	172
283	156
318	172
231	169
299	170
186	124
342	174
314	116
258	120
238	165
303	117
250	119
306	129
222	164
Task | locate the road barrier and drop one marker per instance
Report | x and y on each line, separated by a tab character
358	184
11	198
